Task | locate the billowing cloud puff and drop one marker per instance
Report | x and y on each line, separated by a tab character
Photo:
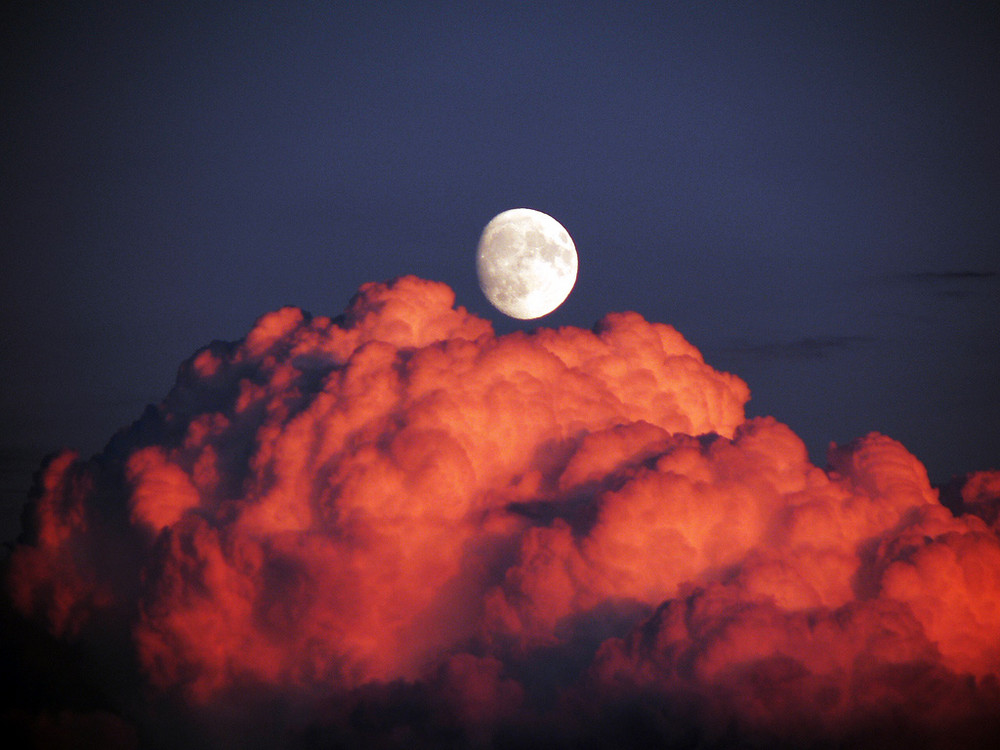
399	527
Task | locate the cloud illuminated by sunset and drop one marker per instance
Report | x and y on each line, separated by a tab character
408	530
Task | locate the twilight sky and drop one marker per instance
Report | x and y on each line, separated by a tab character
328	497
808	194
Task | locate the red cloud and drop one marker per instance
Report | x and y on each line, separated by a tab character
399	513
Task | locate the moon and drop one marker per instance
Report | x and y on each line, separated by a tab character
526	263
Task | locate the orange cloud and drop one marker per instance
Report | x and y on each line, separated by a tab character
506	525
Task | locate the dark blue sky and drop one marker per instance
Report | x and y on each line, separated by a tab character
810	194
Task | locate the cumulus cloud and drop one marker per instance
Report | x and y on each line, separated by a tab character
397	528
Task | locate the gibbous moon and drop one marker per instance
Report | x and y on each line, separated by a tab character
526	263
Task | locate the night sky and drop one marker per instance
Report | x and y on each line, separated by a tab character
810	195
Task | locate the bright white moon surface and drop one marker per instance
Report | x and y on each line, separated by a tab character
526	263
